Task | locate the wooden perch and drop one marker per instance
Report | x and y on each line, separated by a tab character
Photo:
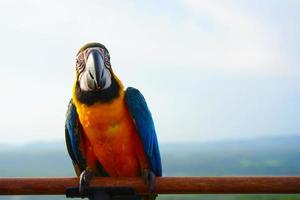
163	185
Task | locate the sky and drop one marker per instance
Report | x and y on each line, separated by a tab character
209	70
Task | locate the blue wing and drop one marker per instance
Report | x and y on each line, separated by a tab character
141	115
74	138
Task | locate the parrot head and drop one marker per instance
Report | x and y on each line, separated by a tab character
93	68
95	80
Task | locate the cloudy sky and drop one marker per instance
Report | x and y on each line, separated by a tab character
210	70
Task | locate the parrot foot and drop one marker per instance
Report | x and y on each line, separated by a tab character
85	178
149	177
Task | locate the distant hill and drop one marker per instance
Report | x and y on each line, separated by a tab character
268	155
266	141
263	156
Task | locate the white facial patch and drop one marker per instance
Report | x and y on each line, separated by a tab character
83	81
107	77
87	83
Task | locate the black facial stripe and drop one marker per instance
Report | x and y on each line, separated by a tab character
80	65
81	68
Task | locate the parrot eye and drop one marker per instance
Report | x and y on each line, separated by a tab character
80	66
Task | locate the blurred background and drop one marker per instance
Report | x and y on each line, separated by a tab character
221	78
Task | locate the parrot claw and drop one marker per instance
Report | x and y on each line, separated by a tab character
85	178
149	177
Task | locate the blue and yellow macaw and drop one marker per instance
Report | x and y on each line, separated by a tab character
109	131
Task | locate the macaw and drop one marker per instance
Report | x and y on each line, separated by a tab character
109	131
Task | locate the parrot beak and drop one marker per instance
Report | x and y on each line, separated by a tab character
98	76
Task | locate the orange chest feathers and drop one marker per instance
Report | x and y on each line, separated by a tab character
113	137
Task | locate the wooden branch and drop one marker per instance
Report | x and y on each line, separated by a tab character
163	185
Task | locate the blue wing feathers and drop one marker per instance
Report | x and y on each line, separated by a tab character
70	123
74	136
141	115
